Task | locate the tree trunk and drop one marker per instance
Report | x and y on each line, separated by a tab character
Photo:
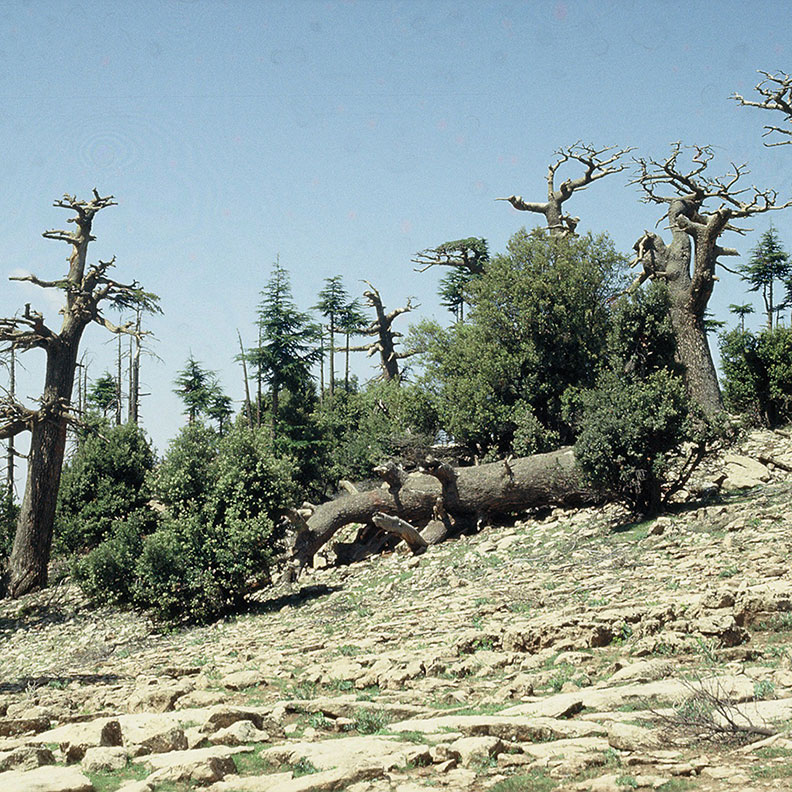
27	566
331	372
450	494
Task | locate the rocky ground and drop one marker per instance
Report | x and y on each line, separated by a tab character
569	651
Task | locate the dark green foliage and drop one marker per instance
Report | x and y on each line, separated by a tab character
757	371
106	574
768	269
182	477
640	338
287	347
629	429
386	420
9	511
634	422
218	539
202	394
537	326
105	481
103	393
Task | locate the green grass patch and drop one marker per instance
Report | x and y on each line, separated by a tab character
535	781
371	721
110	781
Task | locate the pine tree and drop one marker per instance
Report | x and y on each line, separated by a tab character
287	348
769	264
103	394
332	301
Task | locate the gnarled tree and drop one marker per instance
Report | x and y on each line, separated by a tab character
467	259
776	94
687	265
85	287
384	336
597	164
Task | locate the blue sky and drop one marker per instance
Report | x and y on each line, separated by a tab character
343	137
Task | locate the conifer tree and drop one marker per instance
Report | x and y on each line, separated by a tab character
769	267
287	347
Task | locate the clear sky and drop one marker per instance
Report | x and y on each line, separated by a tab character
344	137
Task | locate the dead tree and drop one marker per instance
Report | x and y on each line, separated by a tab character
687	265
85	287
442	499
776	94
384	335
598	163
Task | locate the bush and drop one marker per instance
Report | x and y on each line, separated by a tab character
216	545
629	432
182	478
106	574
385	420
757	373
104	482
9	511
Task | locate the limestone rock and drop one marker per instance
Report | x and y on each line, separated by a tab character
476	750
50	778
26	757
239	680
104	759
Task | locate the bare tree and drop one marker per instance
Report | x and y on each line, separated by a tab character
597	164
776	94
384	335
687	264
85	287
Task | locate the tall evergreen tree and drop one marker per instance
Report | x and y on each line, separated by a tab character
103	394
332	301
201	393
287	348
768	267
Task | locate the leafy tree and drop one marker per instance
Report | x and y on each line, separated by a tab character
361	429
629	429
195	387
537	326
757	373
202	394
286	348
103	394
104	482
638	438
768	267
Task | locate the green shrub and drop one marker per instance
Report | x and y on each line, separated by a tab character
9	511
106	574
104	482
629	430
182	478
203	560
757	372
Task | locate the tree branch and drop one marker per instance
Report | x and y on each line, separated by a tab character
39	335
776	94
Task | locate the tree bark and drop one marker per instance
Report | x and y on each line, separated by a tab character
454	494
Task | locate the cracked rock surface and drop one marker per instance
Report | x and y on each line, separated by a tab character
570	651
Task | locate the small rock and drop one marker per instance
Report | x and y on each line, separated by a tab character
101	759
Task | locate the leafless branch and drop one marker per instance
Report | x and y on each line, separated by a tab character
597	164
775	91
27	331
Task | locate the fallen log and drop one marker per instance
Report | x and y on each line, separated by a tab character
450	495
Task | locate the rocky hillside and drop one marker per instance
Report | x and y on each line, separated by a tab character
568	651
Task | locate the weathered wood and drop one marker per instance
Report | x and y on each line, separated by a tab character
493	489
402	529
